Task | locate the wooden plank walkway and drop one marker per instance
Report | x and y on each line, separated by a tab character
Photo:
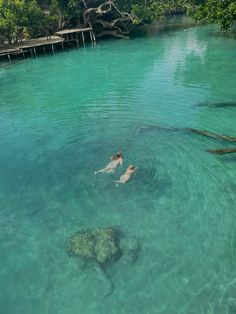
74	30
60	37
31	43
30	46
72	34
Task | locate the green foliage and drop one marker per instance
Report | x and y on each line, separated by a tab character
222	12
21	19
12	18
156	10
74	9
27	18
38	22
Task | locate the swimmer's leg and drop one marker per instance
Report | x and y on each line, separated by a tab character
108	170
99	171
119	181
122	179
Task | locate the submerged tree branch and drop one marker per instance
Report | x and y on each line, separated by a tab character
222	151
216	136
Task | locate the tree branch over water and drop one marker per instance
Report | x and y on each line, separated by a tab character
107	19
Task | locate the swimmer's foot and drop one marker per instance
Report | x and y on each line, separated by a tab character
117	182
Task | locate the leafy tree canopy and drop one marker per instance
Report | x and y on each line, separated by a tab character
221	12
28	18
21	19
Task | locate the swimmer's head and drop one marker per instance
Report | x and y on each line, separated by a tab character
119	155
131	167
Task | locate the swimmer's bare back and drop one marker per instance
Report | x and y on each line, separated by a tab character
127	175
111	167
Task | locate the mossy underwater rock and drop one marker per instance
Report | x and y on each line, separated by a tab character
99	245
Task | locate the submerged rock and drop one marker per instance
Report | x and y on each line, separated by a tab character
131	249
102	247
231	303
99	245
82	244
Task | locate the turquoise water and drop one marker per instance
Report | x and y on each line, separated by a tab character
61	118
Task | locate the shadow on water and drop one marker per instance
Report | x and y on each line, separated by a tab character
171	24
221	104
228	158
221	34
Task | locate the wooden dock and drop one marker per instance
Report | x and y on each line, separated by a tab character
32	46
41	45
73	34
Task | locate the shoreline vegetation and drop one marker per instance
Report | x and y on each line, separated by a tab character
26	25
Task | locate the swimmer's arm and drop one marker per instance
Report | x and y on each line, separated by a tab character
121	162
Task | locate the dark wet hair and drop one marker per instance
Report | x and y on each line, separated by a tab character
131	167
116	156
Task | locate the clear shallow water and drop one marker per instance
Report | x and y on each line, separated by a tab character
62	117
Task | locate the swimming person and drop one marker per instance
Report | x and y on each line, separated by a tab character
111	167
127	175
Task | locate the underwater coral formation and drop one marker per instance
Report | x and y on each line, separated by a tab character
99	245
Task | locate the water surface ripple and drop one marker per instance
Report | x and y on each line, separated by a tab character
61	118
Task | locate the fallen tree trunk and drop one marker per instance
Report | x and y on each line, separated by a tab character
222	151
216	136
213	135
107	19
114	33
219	104
106	28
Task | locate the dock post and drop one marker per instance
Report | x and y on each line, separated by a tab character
35	52
44	50
23	54
53	50
83	38
94	38
31	51
91	37
77	40
62	45
9	58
